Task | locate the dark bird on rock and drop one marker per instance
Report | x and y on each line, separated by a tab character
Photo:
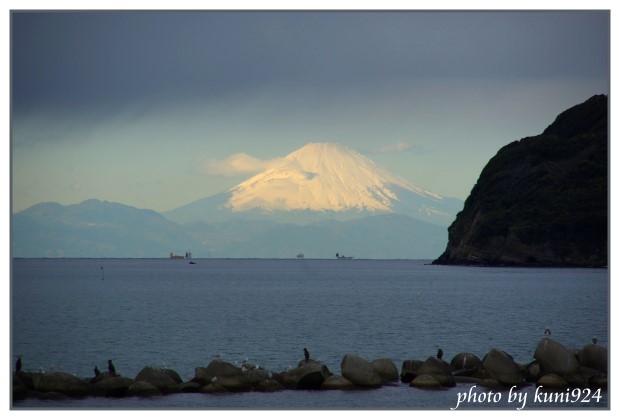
594	340
439	354
97	371
306	354
111	367
547	331
18	364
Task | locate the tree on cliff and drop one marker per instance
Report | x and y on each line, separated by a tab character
541	201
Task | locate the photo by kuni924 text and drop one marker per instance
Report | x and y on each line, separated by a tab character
276	209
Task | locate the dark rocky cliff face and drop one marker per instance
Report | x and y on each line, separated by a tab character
541	201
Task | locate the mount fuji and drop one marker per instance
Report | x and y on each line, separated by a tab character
319	200
321	181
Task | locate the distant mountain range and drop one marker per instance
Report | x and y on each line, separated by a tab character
319	200
102	229
387	236
542	201
94	228
317	182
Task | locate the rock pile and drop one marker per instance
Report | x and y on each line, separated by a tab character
554	366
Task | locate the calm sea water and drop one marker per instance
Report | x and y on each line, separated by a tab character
73	314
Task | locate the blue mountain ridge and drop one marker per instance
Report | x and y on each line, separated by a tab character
101	229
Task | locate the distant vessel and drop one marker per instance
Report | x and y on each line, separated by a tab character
342	257
300	255
188	255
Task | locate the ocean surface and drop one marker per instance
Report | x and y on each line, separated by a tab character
75	314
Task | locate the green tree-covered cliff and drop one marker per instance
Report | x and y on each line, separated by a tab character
541	201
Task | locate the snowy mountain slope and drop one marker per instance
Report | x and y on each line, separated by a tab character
321	181
321	199
318	177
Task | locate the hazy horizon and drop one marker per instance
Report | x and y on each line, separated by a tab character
158	109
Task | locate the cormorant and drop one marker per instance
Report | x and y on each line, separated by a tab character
594	340
547	331
306	354
97	371
439	354
111	367
18	364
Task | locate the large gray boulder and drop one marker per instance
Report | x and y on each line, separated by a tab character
142	389
386	369
311	380
582	378
173	375
337	382
255	375
213	388
223	376
231	377
555	358
234	383
61	382
439	370
533	371
426	381
305	376
409	370
269	385
190	386
165	380
217	368
465	364
359	371
103	375
111	386
500	366
594	356
304	362
552	381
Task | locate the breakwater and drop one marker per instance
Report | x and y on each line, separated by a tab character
554	366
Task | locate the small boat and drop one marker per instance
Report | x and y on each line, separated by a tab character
342	257
300	255
192	262
188	256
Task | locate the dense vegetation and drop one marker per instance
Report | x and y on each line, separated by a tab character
542	200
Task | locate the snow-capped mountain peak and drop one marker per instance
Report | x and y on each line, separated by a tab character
322	177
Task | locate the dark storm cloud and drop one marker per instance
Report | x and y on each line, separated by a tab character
99	61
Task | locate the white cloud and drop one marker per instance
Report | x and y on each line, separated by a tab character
237	164
401	146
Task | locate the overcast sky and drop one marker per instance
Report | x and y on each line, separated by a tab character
158	109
